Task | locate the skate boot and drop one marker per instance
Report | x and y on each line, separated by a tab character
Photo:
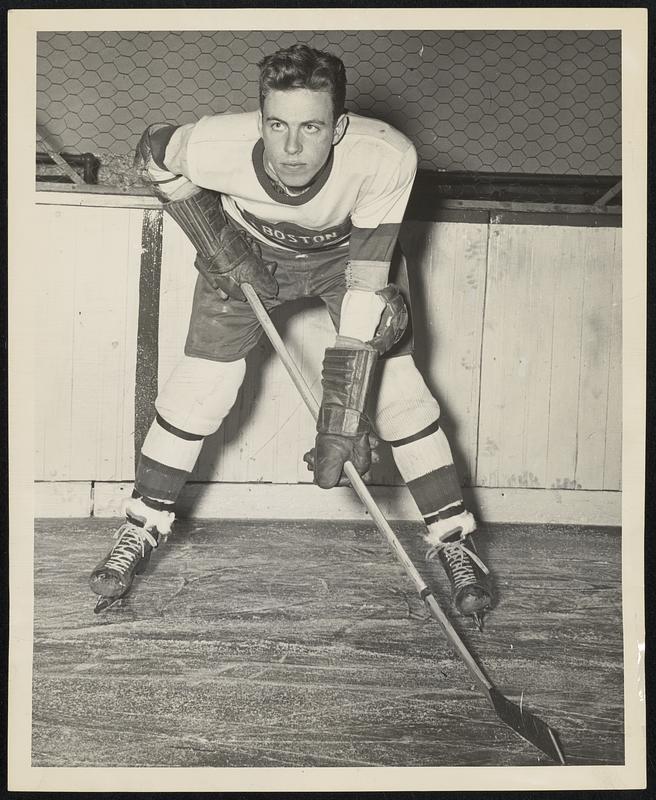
136	539
467	574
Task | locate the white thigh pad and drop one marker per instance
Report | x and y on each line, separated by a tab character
200	393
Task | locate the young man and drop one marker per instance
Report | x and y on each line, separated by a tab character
299	199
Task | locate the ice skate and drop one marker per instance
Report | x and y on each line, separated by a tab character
450	541
136	538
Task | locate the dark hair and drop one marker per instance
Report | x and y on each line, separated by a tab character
302	67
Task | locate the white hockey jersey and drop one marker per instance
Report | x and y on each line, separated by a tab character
357	200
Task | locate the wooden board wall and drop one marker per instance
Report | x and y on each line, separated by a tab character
86	317
518	334
550	402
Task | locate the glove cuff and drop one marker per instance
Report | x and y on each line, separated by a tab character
350	343
342	421
346	378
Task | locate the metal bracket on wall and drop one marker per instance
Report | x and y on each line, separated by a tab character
87	161
612	192
54	154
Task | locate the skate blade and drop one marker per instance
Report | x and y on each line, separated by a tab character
478	617
103	603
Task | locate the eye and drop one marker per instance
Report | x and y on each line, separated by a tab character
310	128
276	126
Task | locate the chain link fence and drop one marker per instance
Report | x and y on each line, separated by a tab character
488	101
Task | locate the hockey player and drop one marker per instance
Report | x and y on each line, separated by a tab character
300	199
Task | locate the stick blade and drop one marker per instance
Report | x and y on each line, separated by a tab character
527	725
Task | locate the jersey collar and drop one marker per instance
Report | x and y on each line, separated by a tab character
298	200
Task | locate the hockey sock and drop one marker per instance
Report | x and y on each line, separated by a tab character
167	458
426	465
407	417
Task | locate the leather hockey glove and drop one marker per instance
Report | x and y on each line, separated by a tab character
237	260
227	256
374	444
348	368
342	426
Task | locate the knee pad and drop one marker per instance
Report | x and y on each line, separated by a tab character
200	393
404	405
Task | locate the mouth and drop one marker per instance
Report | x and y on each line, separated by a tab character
296	165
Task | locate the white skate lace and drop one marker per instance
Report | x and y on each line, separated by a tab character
459	558
130	545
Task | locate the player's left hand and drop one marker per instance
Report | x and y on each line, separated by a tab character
333	454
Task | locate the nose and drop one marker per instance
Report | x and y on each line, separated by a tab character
292	143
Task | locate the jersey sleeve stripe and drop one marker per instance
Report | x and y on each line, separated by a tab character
374	244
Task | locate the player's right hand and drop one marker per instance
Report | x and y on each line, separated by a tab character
238	260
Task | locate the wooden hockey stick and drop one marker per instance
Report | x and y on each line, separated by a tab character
522	721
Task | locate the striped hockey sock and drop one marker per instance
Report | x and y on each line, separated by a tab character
426	465
167	458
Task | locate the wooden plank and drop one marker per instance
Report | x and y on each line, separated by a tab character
562	449
307	501
521	206
87	319
516	362
62	499
536	358
562	507
105	296
319	652
597	268
494	384
613	451
55	320
502	397
559	218
146	377
97	196
98	264
447	264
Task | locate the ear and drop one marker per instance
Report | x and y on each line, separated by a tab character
340	127
259	121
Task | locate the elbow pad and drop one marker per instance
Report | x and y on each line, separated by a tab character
151	148
377	319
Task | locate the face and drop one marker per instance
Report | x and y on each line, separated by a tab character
298	130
